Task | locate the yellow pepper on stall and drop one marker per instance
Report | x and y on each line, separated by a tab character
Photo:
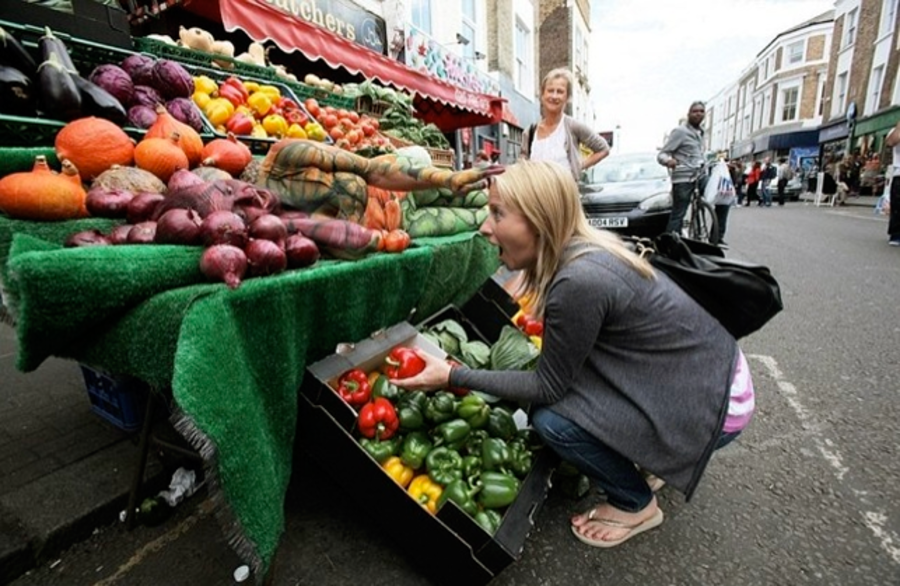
270	90
260	102
251	86
426	492
396	469
205	84
296	131
218	111
275	125
201	99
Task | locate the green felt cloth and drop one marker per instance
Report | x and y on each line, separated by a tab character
234	359
15	159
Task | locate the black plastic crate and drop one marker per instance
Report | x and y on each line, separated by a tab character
119	400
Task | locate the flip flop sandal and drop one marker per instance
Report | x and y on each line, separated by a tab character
633	529
654	482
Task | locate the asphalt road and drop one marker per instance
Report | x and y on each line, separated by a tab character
808	495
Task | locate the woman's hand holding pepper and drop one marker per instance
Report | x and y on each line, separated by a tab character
435	376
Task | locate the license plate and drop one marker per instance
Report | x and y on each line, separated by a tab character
608	222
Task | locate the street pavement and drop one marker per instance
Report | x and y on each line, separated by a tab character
807	495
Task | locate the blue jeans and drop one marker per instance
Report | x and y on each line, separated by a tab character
612	472
681	198
765	193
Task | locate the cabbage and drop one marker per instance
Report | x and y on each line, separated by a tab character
145	95
114	80
184	110
172	80
513	351
141	116
140	68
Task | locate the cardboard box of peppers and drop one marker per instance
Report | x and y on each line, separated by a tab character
449	445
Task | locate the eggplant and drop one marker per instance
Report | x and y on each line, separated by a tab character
13	54
58	95
96	101
50	44
16	92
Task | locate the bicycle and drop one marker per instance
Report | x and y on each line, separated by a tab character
700	222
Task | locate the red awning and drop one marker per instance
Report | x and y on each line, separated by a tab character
446	105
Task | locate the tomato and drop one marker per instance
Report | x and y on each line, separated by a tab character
329	120
312	106
336	133
374	122
367	129
354	136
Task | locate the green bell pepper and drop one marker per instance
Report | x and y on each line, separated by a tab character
417	399
411	418
497	489
383	388
495	454
474	441
501	424
415	448
441	407
380	450
471	466
489	520
451	434
461	493
530	438
444	465
520	458
474	410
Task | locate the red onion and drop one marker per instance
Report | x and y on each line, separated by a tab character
224	262
119	234
300	251
287	217
87	238
250	213
108	203
178	226
269	227
265	258
223	227
142	233
142	207
183	178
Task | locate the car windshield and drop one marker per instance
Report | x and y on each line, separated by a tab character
617	169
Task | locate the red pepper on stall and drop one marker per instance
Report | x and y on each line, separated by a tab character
378	419
403	362
353	387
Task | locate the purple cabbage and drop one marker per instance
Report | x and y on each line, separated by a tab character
142	116
114	80
140	68
172	80
184	110
146	96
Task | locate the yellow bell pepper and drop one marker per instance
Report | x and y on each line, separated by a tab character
315	131
296	131
396	469
537	341
259	132
426	492
218	111
270	90
245	110
201	99
260	102
275	125
205	84
251	86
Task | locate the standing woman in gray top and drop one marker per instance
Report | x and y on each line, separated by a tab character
558	137
632	370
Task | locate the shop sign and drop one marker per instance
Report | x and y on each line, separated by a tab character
834	132
424	53
340	17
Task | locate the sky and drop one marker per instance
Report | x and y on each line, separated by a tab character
651	58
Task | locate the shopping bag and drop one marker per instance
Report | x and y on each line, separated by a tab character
720	188
883	205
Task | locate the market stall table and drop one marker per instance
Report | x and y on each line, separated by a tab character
234	359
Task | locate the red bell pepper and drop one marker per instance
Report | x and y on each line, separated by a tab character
403	362
232	94
353	387
239	124
238	85
378	419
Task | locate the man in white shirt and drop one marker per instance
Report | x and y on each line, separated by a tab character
893	141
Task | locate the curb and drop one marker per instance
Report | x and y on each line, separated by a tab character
42	519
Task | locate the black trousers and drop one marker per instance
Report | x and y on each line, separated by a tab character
782	183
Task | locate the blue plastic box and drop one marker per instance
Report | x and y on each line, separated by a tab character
119	400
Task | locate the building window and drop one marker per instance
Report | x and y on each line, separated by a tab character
523	42
821	109
421	15
795	52
789	100
850	27
875	89
841	94
468	29
888	12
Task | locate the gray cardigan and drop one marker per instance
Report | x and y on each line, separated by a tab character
577	133
685	145
634	361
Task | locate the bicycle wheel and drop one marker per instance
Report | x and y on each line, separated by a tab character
703	225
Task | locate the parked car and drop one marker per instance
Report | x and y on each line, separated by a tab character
628	193
793	188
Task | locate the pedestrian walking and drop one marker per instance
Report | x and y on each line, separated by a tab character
893	141
785	174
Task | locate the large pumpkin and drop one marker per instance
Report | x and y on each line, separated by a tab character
94	145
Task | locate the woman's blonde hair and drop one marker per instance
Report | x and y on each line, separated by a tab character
546	194
559	73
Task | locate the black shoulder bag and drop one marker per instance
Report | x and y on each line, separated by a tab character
742	296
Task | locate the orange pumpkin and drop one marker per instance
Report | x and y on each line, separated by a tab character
94	145
227	154
161	156
188	139
42	194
